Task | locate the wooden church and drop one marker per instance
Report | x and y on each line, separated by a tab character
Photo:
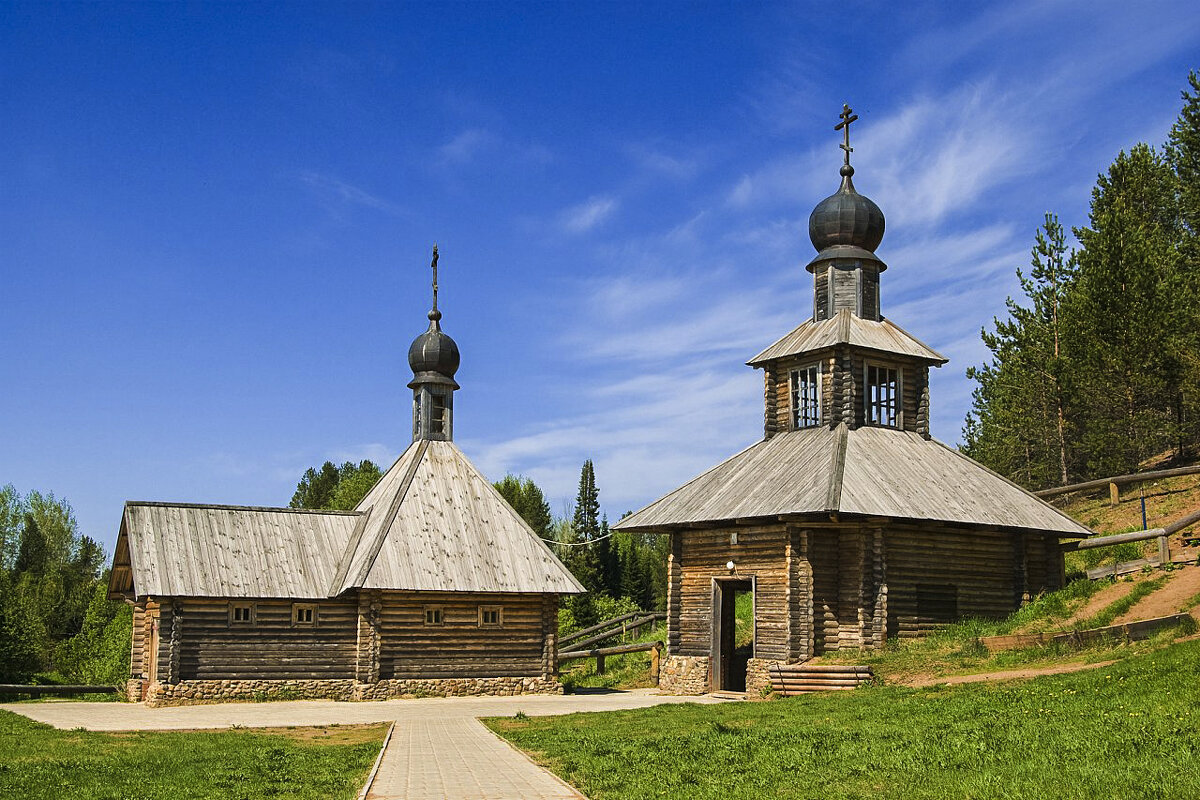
432	585
848	524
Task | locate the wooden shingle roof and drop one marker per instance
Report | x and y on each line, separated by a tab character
844	327
875	472
431	523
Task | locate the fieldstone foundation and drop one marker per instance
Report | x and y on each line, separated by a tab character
190	692
684	675
758	677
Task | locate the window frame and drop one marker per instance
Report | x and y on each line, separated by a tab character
897	398
497	610
439	612
314	616
795	396
252	616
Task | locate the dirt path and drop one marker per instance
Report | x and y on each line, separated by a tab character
1012	674
1182	585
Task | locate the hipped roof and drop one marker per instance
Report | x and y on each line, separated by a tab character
431	523
882	335
873	472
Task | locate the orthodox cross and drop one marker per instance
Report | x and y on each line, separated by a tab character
847	116
434	265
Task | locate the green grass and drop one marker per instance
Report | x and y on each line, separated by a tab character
627	671
1130	730
38	761
1119	607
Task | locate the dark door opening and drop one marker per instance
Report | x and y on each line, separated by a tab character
733	633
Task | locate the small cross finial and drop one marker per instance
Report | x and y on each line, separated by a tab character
847	116
435	287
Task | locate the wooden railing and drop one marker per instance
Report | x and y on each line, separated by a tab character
1115	482
616	626
655	649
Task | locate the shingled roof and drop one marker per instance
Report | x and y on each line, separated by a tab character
876	472
431	523
843	327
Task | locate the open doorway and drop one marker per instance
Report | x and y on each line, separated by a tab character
733	633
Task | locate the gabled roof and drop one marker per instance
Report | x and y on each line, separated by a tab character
877	472
435	523
431	523
883	336
188	550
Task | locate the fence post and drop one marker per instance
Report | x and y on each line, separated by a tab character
599	665
1164	551
1114	495
654	665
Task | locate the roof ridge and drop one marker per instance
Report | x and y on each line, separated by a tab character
393	510
343	567
228	507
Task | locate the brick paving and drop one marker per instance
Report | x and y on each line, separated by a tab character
439	749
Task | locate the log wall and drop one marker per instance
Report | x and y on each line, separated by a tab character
760	554
204	645
524	645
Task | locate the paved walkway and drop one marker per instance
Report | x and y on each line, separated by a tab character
438	749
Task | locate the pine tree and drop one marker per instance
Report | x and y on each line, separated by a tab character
1128	314
1183	156
527	499
584	561
1020	418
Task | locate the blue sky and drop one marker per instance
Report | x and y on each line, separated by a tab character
215	220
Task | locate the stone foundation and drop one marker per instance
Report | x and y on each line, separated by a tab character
758	677
133	690
684	675
190	692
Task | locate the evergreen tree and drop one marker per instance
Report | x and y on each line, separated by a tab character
1020	418
583	561
1128	315
336	488
1183	156
527	499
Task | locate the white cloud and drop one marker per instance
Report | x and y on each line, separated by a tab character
342	193
587	215
465	146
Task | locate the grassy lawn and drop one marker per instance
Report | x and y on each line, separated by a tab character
38	761
626	671
1130	730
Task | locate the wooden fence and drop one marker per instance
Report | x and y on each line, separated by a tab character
655	649
1115	482
617	626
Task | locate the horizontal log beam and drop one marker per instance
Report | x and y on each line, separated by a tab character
17	688
1119	480
639	647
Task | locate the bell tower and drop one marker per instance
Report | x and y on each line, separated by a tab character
848	365
434	359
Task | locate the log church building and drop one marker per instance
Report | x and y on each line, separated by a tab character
432	585
848	524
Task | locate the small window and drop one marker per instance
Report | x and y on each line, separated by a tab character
417	414
491	616
806	397
883	396
241	614
437	414
304	614
434	615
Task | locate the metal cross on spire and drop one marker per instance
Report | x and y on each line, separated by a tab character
847	116
434	265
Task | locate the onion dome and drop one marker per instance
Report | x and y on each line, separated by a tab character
434	351
846	219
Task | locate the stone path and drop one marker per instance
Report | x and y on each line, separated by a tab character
438	749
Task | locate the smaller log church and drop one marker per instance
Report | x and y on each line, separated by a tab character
432	585
848	524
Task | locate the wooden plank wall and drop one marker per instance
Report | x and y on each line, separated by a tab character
821	292
210	648
460	648
760	553
674	593
137	656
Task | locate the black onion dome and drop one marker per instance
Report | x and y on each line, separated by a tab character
846	218
433	350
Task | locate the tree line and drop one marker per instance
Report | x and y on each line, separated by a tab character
1095	369
57	624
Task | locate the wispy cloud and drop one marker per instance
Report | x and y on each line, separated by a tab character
465	146
587	215
337	193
